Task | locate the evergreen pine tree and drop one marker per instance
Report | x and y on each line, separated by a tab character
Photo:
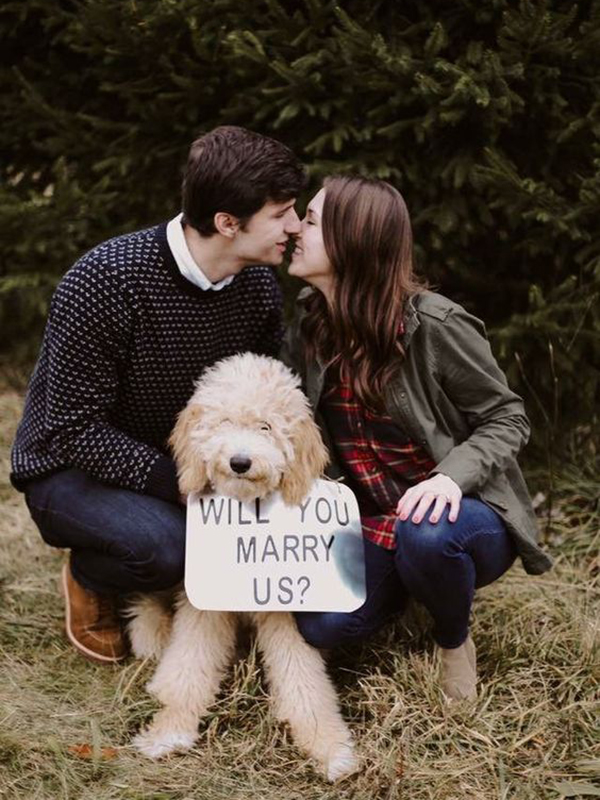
485	114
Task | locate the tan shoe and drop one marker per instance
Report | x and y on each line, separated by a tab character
459	671
92	622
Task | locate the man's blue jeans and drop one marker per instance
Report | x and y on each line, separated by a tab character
120	541
439	564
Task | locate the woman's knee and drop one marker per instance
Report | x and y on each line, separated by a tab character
426	543
423	540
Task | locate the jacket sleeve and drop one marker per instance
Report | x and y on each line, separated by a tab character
85	344
473	381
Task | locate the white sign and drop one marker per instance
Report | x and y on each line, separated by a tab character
267	556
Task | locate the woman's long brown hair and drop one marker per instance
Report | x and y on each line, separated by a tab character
368	240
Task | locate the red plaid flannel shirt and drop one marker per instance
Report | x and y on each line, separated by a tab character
379	460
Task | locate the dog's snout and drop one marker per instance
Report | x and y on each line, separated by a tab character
240	464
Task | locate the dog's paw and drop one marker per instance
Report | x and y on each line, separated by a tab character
342	762
159	744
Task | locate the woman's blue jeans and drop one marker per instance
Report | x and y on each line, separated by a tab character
440	565
120	541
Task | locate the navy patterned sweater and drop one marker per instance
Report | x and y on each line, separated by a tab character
126	339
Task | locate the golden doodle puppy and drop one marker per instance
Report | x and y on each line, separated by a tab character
246	432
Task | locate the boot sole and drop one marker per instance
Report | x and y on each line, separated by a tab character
82	649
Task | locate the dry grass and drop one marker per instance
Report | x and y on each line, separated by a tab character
533	733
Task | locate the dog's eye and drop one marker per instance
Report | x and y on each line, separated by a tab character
264	426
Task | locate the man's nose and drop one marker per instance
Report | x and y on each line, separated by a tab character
292	223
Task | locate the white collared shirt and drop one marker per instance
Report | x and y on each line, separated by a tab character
183	258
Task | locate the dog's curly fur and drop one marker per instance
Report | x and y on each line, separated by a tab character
245	406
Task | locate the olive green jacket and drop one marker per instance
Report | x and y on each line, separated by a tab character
452	398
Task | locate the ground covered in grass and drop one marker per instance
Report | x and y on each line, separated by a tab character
66	724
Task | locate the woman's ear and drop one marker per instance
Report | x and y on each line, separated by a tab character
191	469
310	459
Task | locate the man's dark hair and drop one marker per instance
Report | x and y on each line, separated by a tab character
236	171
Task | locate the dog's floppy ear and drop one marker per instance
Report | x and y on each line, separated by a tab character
191	469
310	459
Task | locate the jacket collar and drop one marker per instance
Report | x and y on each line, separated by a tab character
411	320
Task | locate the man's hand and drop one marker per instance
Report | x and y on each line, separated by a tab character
440	489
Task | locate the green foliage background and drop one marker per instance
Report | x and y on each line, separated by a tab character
484	113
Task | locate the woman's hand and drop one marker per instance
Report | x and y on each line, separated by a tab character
440	489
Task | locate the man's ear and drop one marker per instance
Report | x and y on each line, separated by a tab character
191	469
226	224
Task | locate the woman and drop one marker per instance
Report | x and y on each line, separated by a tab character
418	417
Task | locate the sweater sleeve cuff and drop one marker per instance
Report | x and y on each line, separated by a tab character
162	480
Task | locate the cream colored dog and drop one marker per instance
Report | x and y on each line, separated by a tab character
246	432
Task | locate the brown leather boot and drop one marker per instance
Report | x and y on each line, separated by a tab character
92	622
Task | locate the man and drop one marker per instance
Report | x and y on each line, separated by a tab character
131	326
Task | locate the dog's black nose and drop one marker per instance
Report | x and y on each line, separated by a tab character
240	464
